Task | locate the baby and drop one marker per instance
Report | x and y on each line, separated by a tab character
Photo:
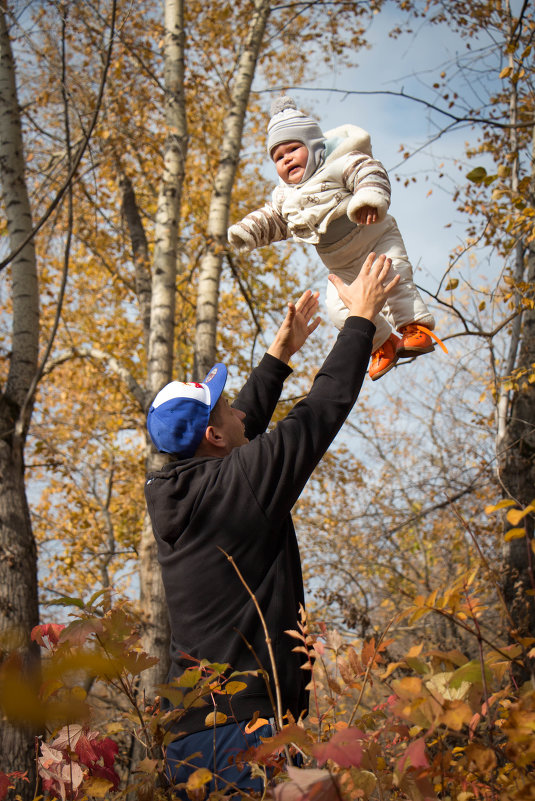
335	195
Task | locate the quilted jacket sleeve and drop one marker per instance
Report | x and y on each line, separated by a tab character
260	227
368	182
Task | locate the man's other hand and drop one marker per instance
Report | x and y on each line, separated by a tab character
296	327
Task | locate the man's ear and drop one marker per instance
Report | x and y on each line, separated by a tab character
212	443
214	437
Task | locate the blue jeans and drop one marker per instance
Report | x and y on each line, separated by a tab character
229	741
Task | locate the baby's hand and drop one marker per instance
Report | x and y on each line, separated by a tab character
366	215
240	239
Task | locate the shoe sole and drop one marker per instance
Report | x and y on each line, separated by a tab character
384	370
405	353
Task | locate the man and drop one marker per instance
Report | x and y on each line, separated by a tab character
230	490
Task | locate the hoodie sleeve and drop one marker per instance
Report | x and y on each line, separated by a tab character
260	394
368	182
277	465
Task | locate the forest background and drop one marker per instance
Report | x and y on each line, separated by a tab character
133	136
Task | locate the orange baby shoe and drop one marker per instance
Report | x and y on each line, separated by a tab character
384	358
416	339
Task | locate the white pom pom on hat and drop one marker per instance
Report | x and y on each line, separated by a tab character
281	104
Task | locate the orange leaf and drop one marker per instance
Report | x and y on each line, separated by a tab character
255	723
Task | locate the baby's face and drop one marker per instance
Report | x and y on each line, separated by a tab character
290	161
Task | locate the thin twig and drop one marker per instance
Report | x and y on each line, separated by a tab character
367	673
266	636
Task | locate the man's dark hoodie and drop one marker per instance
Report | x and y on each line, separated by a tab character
241	504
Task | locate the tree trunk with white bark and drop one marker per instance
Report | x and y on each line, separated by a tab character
210	267
162	322
18	556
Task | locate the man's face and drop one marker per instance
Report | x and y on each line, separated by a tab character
290	161
229	422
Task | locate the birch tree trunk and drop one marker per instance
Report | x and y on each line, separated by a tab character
18	556
210	266
162	321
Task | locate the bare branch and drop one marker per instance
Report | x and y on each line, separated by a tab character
456	119
81	150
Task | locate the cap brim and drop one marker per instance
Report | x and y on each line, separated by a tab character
215	380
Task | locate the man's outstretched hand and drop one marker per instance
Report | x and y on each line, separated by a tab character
368	293
296	327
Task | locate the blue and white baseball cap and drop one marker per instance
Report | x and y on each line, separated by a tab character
179	413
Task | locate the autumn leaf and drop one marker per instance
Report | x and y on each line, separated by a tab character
5	784
49	632
216	718
97	787
503	504
514	534
477	175
414	756
344	748
484	759
288	735
233	687
471	673
368	652
455	715
199	778
256	723
307	783
408	687
514	516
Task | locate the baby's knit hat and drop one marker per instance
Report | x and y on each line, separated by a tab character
288	124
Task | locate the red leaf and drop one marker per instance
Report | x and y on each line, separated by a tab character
7	781
107	749
49	630
414	755
105	752
344	748
86	750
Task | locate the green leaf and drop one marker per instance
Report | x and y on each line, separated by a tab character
172	694
471	672
477	175
97	594
217	667
234	687
189	678
67	602
417	665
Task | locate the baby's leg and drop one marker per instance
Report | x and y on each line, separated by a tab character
405	304
345	258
